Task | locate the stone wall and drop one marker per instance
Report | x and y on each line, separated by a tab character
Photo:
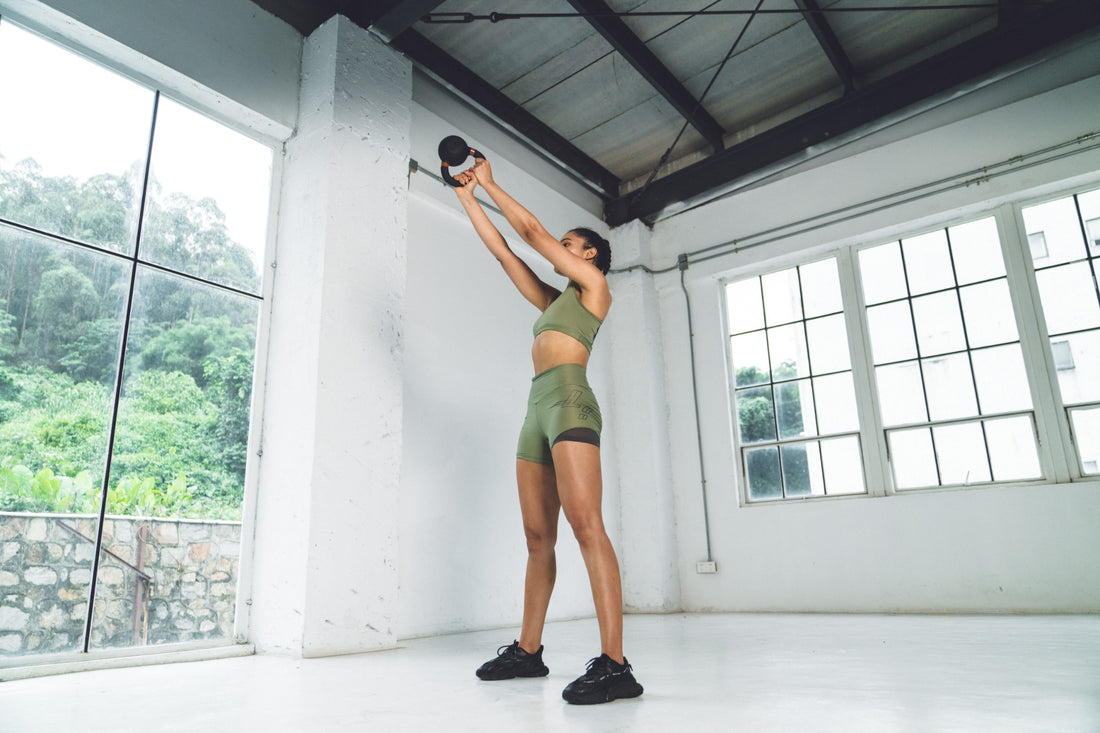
160	581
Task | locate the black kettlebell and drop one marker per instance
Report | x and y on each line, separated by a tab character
453	150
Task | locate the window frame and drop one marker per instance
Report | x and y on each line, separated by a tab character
1059	460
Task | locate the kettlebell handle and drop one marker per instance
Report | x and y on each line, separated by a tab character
453	151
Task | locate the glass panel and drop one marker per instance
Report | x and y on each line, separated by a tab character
60	329
1002	379
63	170
180	452
745	305
989	316
1012	449
794	405
801	470
1079	369
891	329
1069	298
820	288
1089	203
835	397
901	393
750	359
843	466
976	250
828	340
939	324
789	357
207	210
913	459
762	468
782	302
960	450
1086	434
756	415
949	385
928	262
1057	222
882	273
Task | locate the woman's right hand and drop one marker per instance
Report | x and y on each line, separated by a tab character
468	181
483	171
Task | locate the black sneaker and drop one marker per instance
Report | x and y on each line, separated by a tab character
605	680
512	661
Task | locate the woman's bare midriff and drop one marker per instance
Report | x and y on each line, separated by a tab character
552	348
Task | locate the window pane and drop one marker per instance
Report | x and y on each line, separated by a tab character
1089	204
901	393
950	387
1069	298
62	169
928	262
913	459
756	415
789	357
976	250
882	273
820	288
794	406
60	329
1002	379
1086	434
939	324
989	315
891	329
745	305
843	466
1079	371
835	397
1012	449
1057	222
828	341
802	470
180	452
762	467
782	301
208	199
750	359
960	451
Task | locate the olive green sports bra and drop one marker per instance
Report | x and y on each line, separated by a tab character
569	316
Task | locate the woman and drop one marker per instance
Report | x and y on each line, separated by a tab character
558	458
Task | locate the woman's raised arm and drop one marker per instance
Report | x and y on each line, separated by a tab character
526	281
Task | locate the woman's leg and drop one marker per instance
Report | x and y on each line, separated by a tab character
539	505
580	489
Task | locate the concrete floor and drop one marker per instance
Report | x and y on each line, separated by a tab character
753	673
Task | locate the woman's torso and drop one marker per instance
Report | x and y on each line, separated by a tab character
563	329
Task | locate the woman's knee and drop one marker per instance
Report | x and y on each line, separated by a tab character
588	528
540	539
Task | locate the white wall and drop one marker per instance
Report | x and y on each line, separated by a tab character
1025	549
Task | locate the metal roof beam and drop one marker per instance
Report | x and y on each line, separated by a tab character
634	50
830	44
972	60
451	70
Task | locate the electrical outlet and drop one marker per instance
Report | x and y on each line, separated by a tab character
706	566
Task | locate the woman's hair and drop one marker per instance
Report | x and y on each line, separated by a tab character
603	247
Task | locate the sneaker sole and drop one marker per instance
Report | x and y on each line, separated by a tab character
623	691
512	675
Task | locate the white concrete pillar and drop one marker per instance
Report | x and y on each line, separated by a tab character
325	576
639	413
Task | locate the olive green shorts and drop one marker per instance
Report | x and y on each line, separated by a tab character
561	407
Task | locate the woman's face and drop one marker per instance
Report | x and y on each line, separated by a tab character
577	245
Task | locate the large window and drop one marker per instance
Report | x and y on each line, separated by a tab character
132	238
952	381
1066	273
